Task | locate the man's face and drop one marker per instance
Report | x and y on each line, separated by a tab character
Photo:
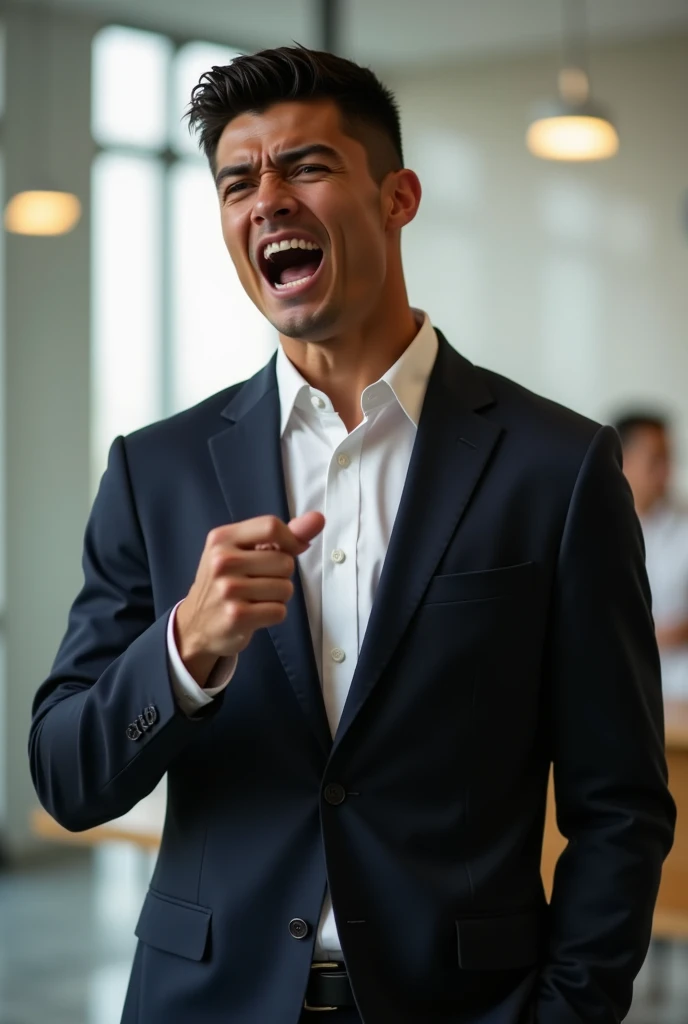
647	465
302	218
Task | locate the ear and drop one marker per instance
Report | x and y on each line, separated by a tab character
402	193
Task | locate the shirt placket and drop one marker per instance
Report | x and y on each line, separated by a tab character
340	575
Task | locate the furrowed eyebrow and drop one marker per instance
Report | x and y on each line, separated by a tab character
289	156
235	171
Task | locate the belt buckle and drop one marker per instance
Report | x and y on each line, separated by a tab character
320	1009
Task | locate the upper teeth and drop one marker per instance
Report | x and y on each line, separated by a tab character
288	243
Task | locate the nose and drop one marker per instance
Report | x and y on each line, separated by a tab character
273	201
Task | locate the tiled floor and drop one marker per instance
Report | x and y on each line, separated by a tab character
66	939
66	942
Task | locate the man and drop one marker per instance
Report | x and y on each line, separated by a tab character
358	751
647	465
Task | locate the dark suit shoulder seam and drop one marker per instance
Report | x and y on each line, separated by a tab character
132	499
592	445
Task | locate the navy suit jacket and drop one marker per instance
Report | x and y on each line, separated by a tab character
511	630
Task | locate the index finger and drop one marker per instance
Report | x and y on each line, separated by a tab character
269	531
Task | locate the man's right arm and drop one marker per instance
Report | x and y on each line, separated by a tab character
106	724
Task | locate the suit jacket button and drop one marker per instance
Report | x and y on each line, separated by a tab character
298	929
335	794
150	714
133	731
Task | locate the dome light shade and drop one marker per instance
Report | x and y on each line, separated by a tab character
42	213
560	131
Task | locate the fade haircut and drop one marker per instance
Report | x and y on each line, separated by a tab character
254	82
628	425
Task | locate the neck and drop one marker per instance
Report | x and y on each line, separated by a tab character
345	364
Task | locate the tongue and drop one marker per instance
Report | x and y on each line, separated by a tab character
296	273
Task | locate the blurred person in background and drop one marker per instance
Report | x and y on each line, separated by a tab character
647	462
358	744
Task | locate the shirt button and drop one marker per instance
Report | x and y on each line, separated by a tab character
317	402
338	555
298	929
343	460
337	654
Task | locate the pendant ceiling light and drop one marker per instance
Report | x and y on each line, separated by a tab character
42	208
42	212
572	126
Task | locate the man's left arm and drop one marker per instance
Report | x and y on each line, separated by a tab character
607	734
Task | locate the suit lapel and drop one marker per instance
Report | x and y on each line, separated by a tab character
450	454
248	462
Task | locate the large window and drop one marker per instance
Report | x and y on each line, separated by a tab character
171	323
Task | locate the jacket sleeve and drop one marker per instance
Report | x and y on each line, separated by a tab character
607	733
106	725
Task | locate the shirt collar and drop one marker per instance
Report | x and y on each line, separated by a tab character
408	377
406	381
290	384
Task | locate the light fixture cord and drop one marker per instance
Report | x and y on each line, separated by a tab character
51	67
574	24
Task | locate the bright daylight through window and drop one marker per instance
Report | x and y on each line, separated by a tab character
171	323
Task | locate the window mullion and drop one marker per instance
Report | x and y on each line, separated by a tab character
166	317
166	240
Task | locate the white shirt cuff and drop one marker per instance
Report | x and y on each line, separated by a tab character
189	695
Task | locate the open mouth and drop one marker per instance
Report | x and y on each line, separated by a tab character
291	263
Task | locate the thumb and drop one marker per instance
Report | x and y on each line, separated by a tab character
307	526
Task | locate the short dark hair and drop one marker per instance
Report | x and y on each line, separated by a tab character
631	422
254	82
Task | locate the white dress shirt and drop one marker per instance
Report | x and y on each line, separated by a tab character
356	481
665	531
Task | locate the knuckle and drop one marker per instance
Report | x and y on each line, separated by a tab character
216	537
234	616
229	588
216	562
272	526
224	561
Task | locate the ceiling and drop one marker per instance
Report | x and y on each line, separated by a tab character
387	32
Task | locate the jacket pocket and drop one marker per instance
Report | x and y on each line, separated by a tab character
500	943
174	925
480	586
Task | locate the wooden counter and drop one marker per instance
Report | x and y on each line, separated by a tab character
671	912
143	825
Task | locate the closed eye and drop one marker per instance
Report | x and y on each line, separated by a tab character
310	168
241	186
238	186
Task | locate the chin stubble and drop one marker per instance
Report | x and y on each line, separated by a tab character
306	325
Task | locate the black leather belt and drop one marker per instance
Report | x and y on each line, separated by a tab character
328	988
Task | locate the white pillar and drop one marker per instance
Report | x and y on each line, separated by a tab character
45	384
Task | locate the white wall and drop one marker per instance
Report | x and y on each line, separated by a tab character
573	280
